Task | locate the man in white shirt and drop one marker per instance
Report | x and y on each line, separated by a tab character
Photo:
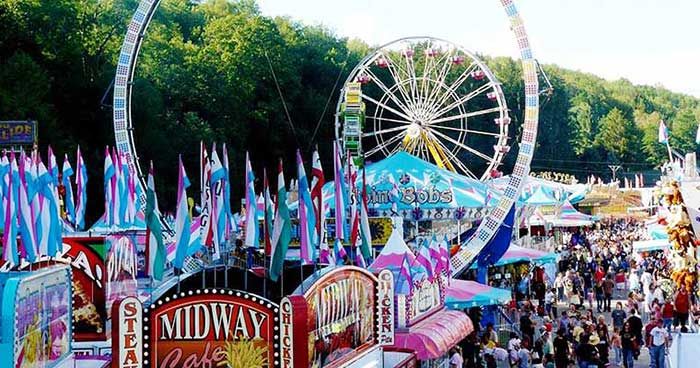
646	280
659	341
548	301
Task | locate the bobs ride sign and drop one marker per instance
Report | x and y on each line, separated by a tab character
204	328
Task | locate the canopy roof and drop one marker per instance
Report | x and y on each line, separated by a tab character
650	245
434	336
437	192
552	192
516	253
466	293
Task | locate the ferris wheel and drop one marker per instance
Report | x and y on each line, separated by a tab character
429	97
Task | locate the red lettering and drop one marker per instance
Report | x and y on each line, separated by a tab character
130	358
129	341
209	358
130	309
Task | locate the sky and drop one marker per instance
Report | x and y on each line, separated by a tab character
650	42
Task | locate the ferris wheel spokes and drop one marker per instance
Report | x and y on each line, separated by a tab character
464	115
462	100
464	146
452	87
375	79
387	107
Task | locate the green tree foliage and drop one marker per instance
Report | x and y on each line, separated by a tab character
206	73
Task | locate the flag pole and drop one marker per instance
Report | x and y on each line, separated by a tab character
670	155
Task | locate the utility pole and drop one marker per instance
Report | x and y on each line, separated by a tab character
614	169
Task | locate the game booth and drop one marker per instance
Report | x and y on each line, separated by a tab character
38	320
423	323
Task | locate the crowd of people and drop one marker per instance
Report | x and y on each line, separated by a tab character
603	307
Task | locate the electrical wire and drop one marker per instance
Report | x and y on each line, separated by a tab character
284	104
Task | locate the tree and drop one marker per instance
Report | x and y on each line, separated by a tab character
617	136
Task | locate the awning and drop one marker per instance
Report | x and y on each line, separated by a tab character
466	293
434	336
516	253
650	245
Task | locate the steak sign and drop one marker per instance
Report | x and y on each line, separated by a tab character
212	327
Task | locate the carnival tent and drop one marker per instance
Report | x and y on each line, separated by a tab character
516	253
425	190
551	189
650	245
565	216
465	294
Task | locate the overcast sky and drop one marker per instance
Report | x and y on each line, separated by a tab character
645	41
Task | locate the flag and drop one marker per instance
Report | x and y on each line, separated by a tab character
445	255
423	258
27	228
81	180
182	217
317	181
51	228
663	132
4	177
206	235
251	211
339	252
282	231
53	167
227	192
307	220
365	233
156	248
435	256
131	200
405	273
325	255
217	214
108	175
340	194
359	259
697	135
10	253
117	189
68	197
269	215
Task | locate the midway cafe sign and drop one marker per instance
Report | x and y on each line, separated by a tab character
209	328
337	319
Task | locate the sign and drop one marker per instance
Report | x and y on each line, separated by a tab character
385	308
210	328
425	297
293	331
122	268
340	316
18	132
86	256
42	318
127	333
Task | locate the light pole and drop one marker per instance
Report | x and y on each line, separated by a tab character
614	169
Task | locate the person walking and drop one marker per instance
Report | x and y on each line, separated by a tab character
616	344
657	345
561	349
667	314
682	304
608	289
628	341
456	360
636	327
618	316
